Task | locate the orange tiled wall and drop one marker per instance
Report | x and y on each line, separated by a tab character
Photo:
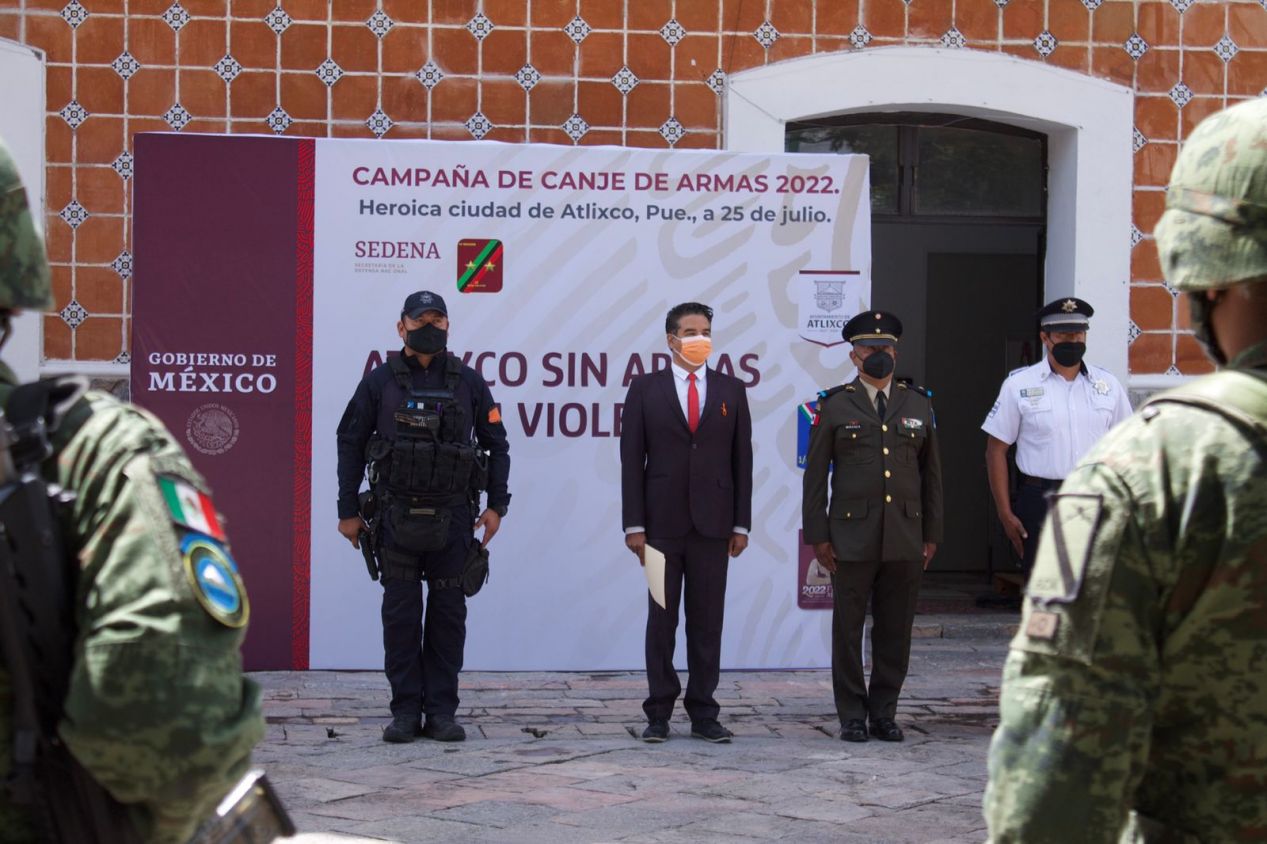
634	72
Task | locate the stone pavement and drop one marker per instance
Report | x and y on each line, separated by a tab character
552	758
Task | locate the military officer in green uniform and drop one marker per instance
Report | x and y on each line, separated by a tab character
876	441
1134	701
157	711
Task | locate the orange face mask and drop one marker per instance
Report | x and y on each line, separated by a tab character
695	350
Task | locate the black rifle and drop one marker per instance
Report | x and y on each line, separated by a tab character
37	628
368	536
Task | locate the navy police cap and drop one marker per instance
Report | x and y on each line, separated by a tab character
416	304
873	328
1067	314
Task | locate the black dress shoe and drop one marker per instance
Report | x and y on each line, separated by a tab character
855	729
712	731
403	729
443	728
886	729
656	732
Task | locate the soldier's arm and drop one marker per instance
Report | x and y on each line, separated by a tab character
158	711
354	432
930	483
490	432
818	457
1075	709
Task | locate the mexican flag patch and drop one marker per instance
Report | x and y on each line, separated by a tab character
190	507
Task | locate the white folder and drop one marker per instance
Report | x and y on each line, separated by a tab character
653	565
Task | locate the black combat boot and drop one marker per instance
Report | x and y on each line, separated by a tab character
443	728
403	729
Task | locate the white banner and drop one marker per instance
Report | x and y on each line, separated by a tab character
589	248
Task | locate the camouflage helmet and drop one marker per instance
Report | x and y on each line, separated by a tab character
1214	231
24	279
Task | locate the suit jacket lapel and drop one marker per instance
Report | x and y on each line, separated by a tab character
712	395
668	385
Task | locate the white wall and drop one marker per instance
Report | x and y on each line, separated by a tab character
22	128
1088	123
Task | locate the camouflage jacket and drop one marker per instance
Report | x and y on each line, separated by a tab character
158	711
1134	701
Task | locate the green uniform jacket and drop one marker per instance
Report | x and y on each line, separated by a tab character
1134	701
158	711
885	476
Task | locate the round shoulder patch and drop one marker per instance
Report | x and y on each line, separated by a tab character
215	580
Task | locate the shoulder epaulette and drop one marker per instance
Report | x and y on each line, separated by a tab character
916	388
823	395
1018	369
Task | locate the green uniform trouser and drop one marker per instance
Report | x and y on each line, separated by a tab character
892	588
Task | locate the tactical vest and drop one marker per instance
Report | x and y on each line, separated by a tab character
432	457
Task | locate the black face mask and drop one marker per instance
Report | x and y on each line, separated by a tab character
878	365
1068	354
427	340
1199	309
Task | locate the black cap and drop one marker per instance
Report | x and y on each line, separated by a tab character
423	300
873	328
1067	314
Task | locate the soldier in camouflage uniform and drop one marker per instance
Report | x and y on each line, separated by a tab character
158	711
1134	702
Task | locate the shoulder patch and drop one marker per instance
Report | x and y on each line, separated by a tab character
495	414
214	579
1069	533
190	507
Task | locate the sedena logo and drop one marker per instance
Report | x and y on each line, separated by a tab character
480	265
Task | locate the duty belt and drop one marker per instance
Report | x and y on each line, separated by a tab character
1041	483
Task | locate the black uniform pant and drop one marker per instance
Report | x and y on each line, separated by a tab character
893	588
422	648
701	562
1030	506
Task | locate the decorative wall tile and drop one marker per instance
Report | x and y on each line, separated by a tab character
479	26
672	32
577	29
278	20
561	71
766	35
430	75
176	17
74	13
125	65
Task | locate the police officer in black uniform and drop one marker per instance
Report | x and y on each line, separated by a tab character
426	427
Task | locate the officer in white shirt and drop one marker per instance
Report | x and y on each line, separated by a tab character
1054	411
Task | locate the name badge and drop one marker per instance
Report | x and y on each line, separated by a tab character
853	425
1032	393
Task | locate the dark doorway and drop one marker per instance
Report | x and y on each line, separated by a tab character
958	226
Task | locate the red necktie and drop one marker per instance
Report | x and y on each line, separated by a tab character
692	404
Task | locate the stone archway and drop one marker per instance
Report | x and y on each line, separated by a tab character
1088	123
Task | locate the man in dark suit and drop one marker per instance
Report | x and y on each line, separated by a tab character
883	524
686	489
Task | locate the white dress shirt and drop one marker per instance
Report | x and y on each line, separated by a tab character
682	382
1055	422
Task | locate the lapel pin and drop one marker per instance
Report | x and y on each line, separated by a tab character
723	408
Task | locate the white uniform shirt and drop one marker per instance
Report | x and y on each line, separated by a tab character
1055	422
